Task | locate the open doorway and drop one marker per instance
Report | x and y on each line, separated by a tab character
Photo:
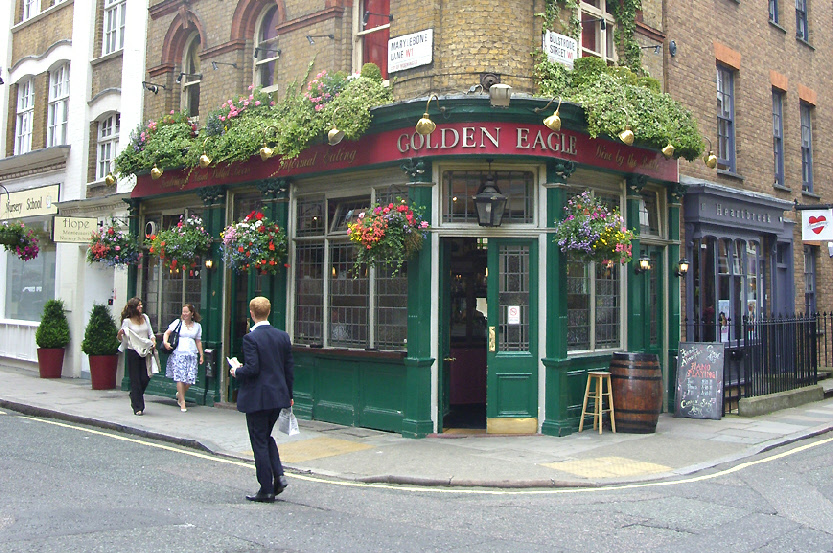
465	361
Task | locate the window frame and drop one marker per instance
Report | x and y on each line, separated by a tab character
271	53
773	11
778	137
58	106
106	145
503	173
361	31
802	29
810	271
726	144
604	38
114	19
806	147
24	116
190	89
31	8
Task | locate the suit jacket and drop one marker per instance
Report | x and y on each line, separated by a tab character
267	375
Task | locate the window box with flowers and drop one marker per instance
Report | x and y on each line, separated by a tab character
114	247
592	231
388	235
181	246
19	240
254	243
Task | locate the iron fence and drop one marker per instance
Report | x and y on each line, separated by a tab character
765	355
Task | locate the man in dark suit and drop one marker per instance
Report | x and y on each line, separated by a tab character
265	382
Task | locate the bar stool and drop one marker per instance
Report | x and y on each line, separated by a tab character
598	377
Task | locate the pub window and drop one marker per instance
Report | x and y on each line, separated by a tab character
373	35
191	78
649	214
597	29
266	51
460	187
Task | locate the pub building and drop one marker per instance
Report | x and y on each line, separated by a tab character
488	327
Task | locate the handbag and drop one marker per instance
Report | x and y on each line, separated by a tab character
287	423
173	337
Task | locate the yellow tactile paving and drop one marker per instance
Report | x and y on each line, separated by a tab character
316	448
607	467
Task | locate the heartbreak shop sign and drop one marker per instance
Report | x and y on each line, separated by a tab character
816	224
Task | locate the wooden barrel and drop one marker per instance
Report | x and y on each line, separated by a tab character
637	391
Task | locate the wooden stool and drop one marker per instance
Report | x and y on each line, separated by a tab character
599	377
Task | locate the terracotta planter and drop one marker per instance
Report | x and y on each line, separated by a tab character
50	362
103	371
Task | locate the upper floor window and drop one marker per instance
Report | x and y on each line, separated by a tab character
31	8
778	135
266	51
806	148
191	77
373	34
773	11
114	20
597	26
108	139
25	116
725	118
801	29
58	110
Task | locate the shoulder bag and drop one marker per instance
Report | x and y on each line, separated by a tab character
173	337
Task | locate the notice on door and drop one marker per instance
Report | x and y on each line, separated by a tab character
699	380
513	314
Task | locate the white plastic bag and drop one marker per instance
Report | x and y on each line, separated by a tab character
287	423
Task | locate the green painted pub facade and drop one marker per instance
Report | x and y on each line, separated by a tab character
486	327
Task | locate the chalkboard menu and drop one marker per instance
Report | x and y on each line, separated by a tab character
699	380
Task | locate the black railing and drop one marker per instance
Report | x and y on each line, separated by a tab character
825	334
765	356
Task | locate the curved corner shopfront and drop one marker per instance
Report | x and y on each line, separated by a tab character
486	328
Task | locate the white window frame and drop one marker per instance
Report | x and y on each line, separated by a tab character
359	33
108	140
25	116
191	68
31	8
271	53
57	113
604	41
114	19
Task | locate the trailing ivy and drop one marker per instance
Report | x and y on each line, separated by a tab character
630	54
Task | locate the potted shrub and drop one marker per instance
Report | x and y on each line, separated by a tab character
52	337
101	345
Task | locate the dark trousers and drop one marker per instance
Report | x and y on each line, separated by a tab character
267	461
137	370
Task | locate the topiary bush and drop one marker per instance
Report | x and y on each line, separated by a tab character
100	334
53	331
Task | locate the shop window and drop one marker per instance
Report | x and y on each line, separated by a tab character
333	306
115	15
58	109
806	148
778	136
373	34
773	11
165	291
190	78
725	118
593	306
597	29
31	8
108	139
25	116
801	29
29	284
810	279
266	51
460	187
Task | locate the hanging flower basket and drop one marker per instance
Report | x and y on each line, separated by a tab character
19	240
113	247
180	247
592	231
254	243
388	235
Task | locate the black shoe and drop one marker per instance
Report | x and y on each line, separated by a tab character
280	484
261	497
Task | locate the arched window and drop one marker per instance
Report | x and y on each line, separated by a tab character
190	77
266	52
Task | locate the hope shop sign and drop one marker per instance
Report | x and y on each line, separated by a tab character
455	139
699	380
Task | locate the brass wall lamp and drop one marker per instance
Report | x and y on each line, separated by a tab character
335	136
265	151
710	159
205	161
553	122
425	126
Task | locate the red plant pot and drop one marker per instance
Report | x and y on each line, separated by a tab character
50	362
103	371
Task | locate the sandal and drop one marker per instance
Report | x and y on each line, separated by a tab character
183	409
138	413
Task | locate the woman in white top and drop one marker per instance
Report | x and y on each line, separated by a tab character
182	364
137	324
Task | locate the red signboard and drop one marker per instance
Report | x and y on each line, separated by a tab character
457	139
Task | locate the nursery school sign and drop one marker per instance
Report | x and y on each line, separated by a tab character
455	139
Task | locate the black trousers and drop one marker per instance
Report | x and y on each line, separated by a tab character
267	461
137	371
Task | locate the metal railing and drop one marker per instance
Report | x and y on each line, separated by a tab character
765	355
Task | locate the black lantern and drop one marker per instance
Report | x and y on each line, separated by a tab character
490	203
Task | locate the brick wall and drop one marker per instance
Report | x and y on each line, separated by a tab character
33	40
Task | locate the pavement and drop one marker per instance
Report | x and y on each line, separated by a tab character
588	459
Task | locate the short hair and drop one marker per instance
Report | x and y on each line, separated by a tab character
194	315
260	307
